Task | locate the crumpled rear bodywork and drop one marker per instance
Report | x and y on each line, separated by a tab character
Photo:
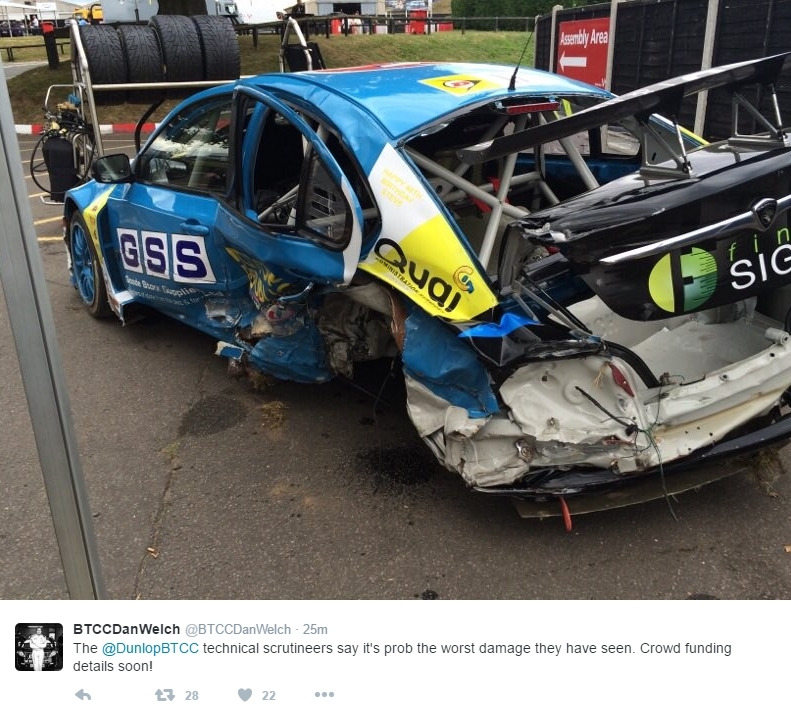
678	350
582	295
596	411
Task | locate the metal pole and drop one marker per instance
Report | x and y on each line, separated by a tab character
611	44
709	38
552	34
30	313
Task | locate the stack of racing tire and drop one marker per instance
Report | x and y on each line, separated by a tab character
170	49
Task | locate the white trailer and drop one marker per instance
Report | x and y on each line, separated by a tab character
252	12
123	11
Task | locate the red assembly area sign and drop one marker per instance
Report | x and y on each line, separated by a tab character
582	50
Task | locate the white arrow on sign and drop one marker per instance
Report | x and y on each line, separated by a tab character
572	62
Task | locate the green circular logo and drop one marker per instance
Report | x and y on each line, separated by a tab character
681	282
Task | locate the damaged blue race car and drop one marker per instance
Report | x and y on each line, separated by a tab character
589	303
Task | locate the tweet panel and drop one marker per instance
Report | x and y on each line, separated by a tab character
350	660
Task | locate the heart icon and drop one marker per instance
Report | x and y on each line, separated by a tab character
245	694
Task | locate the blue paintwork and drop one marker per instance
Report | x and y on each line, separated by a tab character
400	103
436	356
370	108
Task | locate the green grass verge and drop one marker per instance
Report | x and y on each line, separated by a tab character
28	90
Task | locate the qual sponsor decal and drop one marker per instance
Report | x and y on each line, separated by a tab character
463	278
696	270
417	278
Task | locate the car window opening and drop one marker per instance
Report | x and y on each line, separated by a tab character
192	151
277	170
292	187
484	198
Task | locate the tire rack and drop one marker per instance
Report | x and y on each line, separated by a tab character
85	89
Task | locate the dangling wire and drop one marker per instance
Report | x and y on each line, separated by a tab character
631	428
629	425
661	473
650	436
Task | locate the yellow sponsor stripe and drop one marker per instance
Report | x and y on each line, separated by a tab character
90	216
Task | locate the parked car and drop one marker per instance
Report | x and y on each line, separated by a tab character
11	28
590	304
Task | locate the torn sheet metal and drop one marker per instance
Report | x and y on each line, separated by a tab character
434	355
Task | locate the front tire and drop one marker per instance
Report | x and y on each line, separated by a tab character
86	269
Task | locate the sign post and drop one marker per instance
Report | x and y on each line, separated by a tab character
43	8
30	313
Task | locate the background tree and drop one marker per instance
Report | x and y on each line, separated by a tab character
510	8
182	7
504	9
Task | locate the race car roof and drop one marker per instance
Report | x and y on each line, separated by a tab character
407	96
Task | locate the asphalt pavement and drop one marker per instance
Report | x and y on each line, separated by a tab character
18	67
203	487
